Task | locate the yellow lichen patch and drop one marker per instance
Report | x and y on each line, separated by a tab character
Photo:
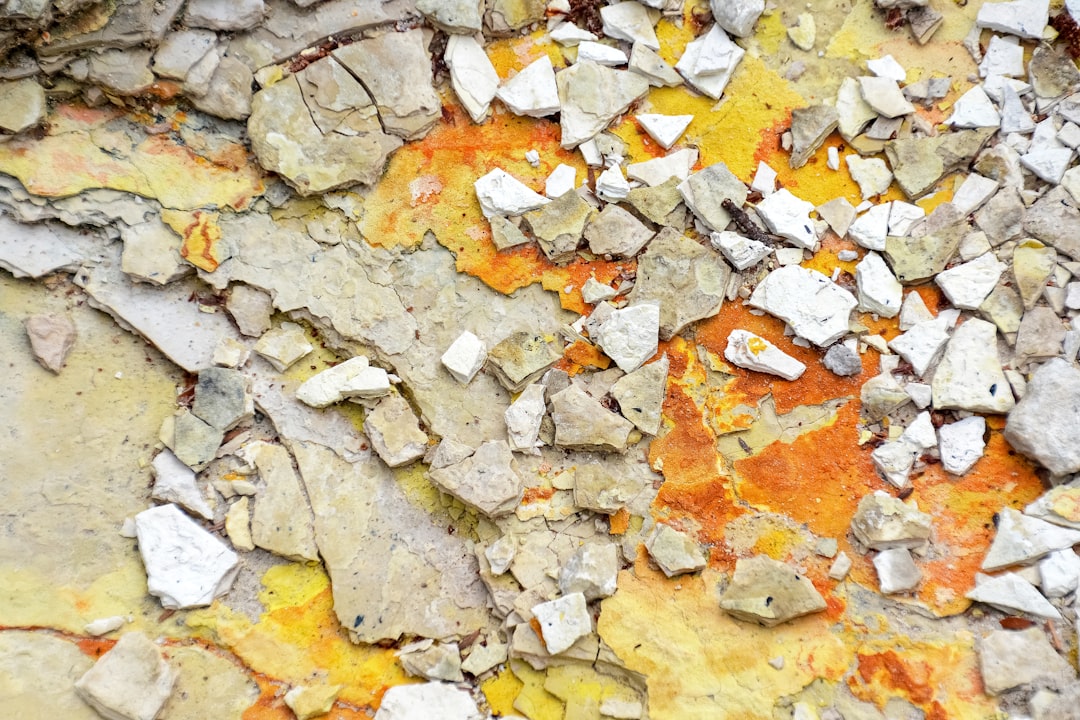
701	663
79	154
500	690
201	235
298	637
533	701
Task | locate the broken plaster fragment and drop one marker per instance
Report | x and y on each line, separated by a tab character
664	129
434	661
472	75
789	217
740	251
815	307
1011	593
974	109
883	521
969	375
132	681
961	444
872	175
717	55
486	480
998	654
652	67
809	128
879	291
749	351
582	423
1042	425
591	96
1021	539
533	92
465	356
428	700
769	592
51	339
311	701
524	418
1023	18
563	621
500	193
640	395
222	398
705	191
842	360
968	284
521	359
175	482
394	432
186	566
283	345
896	571
354	378
250	308
804	33
592	571
281	522
675	552
629	336
884	96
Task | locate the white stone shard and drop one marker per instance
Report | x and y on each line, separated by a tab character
568	34
903	216
920	394
854	112
675	552
815	307
612	186
803	34
840	567
500	554
354	378
652	67
737	16
969	375
657	171
500	193
601	54
594	291
896	571
472	75
870	229
968	284
884	96
283	345
913	311
664	129
740	251
1043	425
973	192
591	97
630	336
533	91
974	110
186	566
523	419
708	62
872	175
1021	539
1048	164
922	344
883	521
1059	573
894	460
563	621
132	681
1004	56
1023	18
752	352
887	67
764	180
175	482
788	217
630	21
920	432
593	571
879	290
428	700
465	356
1000	651
105	625
1012	593
561	181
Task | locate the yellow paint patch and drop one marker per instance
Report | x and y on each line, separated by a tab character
201	235
500	690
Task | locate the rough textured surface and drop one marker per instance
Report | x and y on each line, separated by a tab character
1041	425
130	682
768	592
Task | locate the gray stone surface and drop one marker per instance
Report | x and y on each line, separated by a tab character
1043	424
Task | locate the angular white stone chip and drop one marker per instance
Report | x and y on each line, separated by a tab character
709	61
563	621
428	700
974	109
186	566
1012	593
500	193
354	378
968	284
879	290
1023	18
472	75
789	217
749	351
560	181
664	129
630	336
1022	539
532	92
465	356
815	307
132	681
630	21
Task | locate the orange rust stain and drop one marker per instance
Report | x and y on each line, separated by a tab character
815	386
95	647
810	480
536	494
84	114
270	704
583	355
200	241
910	677
769	145
619	523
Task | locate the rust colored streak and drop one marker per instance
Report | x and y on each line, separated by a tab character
619	523
582	354
769	145
199	240
270	705
810	480
95	647
536	494
912	679
816	385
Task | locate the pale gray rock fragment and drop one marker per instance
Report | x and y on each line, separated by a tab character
486	480
500	193
896	571
1043	424
124	72
640	395
1063	704
629	336
354	378
195	441
22	105
524	418
1059	573
34	250
423	582
1052	72
880	395
1021	539
250	308
687	281
616	232
675	552
969	375
591	96
1024	18
51	338
521	359
180	51
132	681
632	22
1011	593
842	360
284	345
914	259
740	251
434	661
872	175
1055	220
431	700
1040	335
224	14
879	291
505	234
559	225
472	75
506	16
132	23
533	92
853	113
582	423
883	521
394	432
592	571
894	460
1003	307
152	252
563	621
1000	651
709	61
186	566
809	128
40	670
769	592
737	16
652	67
228	93
453	16
919	162
815	307
924	22
281	521
222	398
705	191
174	482
961	444
884	96
967	285
922	344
